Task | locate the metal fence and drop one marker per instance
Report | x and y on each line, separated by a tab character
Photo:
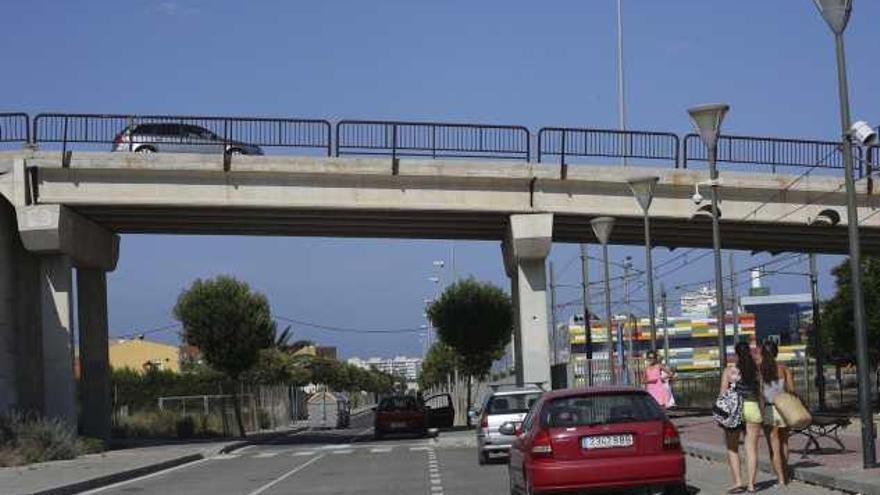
432	140
750	151
607	143
200	133
15	128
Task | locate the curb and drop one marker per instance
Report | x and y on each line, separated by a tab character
864	483
128	475
119	477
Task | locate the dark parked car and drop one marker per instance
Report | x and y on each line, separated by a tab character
178	138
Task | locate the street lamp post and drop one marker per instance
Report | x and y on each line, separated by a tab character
707	119
836	13
643	190
602	227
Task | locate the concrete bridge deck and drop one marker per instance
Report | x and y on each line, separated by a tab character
419	198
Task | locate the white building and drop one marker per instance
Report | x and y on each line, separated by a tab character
406	367
698	303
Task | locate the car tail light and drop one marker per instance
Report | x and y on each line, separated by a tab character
484	422
541	446
670	436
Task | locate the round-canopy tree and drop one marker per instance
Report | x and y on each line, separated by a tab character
475	319
229	323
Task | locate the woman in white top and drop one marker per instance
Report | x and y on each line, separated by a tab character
775	379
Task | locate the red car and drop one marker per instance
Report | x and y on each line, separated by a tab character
400	414
596	439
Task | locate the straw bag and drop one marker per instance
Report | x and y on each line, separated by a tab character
792	411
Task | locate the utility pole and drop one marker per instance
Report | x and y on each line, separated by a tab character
817	340
621	89
735	303
588	334
665	325
627	264
553	315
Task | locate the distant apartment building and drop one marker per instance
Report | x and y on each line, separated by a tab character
698	303
409	368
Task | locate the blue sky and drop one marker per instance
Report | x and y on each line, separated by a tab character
511	62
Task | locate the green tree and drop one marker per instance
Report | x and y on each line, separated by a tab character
439	367
837	328
229	323
475	319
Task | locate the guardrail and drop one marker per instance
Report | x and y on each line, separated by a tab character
432	140
15	128
568	142
765	151
182	133
231	135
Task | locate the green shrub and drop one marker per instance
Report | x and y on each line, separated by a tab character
263	419
25	439
186	427
157	424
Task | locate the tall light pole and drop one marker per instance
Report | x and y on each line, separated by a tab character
836	13
665	325
621	89
707	119
602	227
588	331
643	190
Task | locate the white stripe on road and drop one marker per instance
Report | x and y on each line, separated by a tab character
380	450
419	449
340	452
286	475
142	478
266	455
303	453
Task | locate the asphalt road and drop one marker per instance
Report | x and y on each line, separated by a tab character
351	462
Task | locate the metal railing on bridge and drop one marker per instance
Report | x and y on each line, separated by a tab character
432	140
750	151
606	143
15	128
243	135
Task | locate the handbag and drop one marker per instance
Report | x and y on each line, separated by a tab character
728	408
792	411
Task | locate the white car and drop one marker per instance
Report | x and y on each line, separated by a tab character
500	407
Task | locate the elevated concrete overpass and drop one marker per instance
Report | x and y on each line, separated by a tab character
66	211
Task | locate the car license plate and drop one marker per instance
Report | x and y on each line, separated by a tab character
607	442
397	426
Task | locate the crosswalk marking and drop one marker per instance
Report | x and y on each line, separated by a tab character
303	453
265	455
226	456
380	450
420	449
340	452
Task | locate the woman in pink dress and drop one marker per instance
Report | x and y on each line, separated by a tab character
654	380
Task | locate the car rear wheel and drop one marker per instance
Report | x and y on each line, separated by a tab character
483	458
145	149
236	151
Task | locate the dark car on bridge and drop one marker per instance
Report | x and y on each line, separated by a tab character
178	138
596	439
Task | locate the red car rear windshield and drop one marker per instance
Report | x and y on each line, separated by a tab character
596	409
398	404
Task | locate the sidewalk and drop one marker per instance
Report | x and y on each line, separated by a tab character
97	470
830	467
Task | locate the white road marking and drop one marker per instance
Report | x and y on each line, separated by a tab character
419	449
266	455
286	475
303	453
142	478
380	450
340	452
221	457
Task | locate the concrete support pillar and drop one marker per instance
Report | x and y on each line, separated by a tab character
59	398
8	351
528	244
91	285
